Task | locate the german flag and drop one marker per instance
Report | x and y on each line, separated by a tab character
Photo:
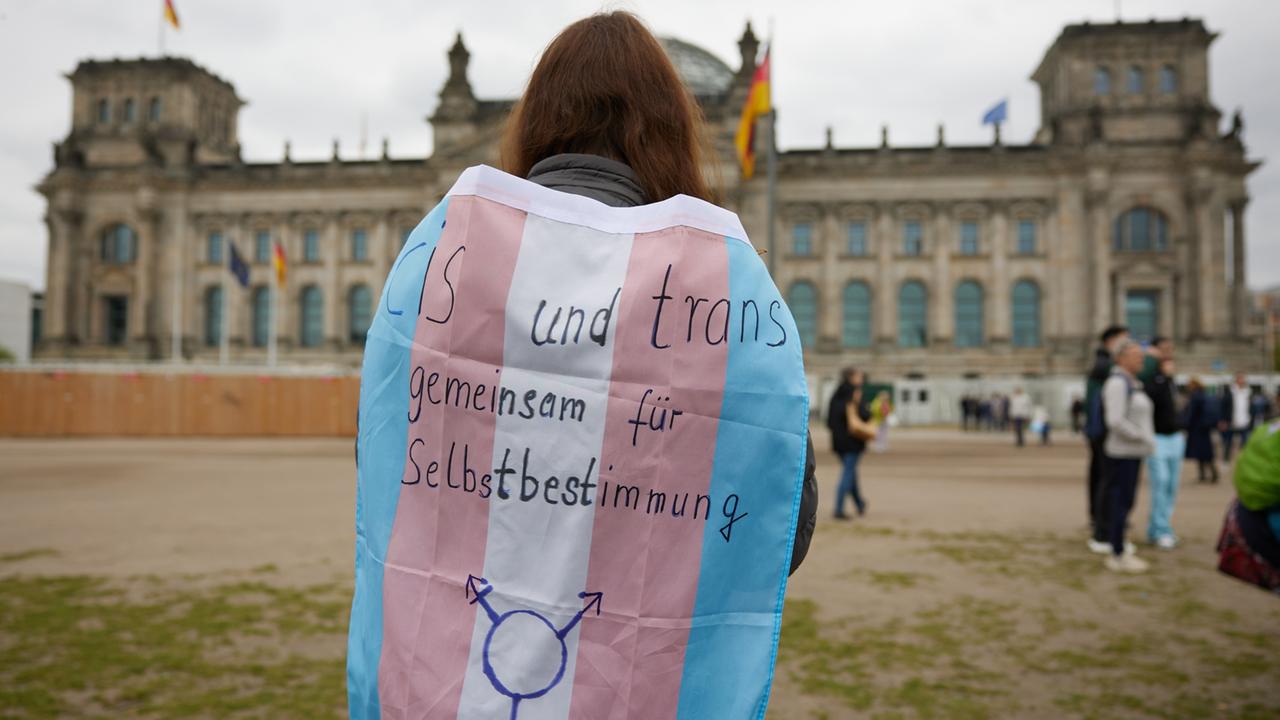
758	103
171	14
277	260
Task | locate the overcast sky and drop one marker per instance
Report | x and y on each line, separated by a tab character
311	69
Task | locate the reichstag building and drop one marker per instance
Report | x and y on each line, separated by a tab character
938	262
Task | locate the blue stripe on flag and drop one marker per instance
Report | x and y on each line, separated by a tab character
733	639
381	454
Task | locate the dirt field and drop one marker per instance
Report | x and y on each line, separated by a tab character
211	578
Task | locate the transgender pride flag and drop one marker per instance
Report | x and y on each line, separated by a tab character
582	436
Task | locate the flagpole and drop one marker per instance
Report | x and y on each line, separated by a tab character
771	163
275	304
223	348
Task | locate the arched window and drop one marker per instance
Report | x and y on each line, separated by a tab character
1168	80
1026	314
119	244
311	332
1135	80
803	300
857	315
1101	81
968	314
130	113
153	110
104	111
213	316
261	316
913	305
1141	229
359	312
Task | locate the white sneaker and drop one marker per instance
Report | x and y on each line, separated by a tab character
1166	542
1101	548
1129	549
1126	563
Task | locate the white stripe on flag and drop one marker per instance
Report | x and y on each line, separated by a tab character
536	553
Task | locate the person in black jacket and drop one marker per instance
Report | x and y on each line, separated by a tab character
844	442
1200	418
1164	467
1096	487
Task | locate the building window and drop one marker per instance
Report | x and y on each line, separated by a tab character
115	312
104	111
803	299
857	315
153	110
1142	313
802	239
1102	81
311	246
118	245
969	238
1168	80
912	310
858	238
130	113
312	317
213	248
1141	229
969	314
1135	80
1026	314
213	316
359	313
359	245
912	238
262	246
261	315
1026	237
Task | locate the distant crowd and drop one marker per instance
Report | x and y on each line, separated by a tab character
1001	413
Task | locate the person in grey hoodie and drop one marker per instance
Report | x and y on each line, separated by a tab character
1131	436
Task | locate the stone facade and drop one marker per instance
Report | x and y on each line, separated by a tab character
1128	205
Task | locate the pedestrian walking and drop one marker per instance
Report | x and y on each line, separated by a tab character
1235	419
1020	414
848	419
1130	437
1200	417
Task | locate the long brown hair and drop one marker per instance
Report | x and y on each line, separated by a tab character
605	86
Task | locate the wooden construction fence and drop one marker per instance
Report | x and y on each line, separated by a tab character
35	403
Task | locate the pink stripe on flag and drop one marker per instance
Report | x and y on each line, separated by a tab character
439	534
645	561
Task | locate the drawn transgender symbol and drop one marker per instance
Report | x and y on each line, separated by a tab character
530	636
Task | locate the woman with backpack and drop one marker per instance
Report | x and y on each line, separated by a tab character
1128	413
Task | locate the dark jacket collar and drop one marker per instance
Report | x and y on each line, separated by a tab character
596	177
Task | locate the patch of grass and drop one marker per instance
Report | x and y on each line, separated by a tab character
21	555
891	580
68	644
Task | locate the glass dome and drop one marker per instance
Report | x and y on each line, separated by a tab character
704	73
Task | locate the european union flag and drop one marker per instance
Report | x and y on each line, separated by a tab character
238	266
997	114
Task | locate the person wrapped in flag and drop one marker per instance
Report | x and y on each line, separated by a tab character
584	472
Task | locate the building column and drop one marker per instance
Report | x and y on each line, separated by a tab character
1239	298
1209	271
57	297
998	300
333	253
885	326
831	309
940	296
142	331
1098	248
